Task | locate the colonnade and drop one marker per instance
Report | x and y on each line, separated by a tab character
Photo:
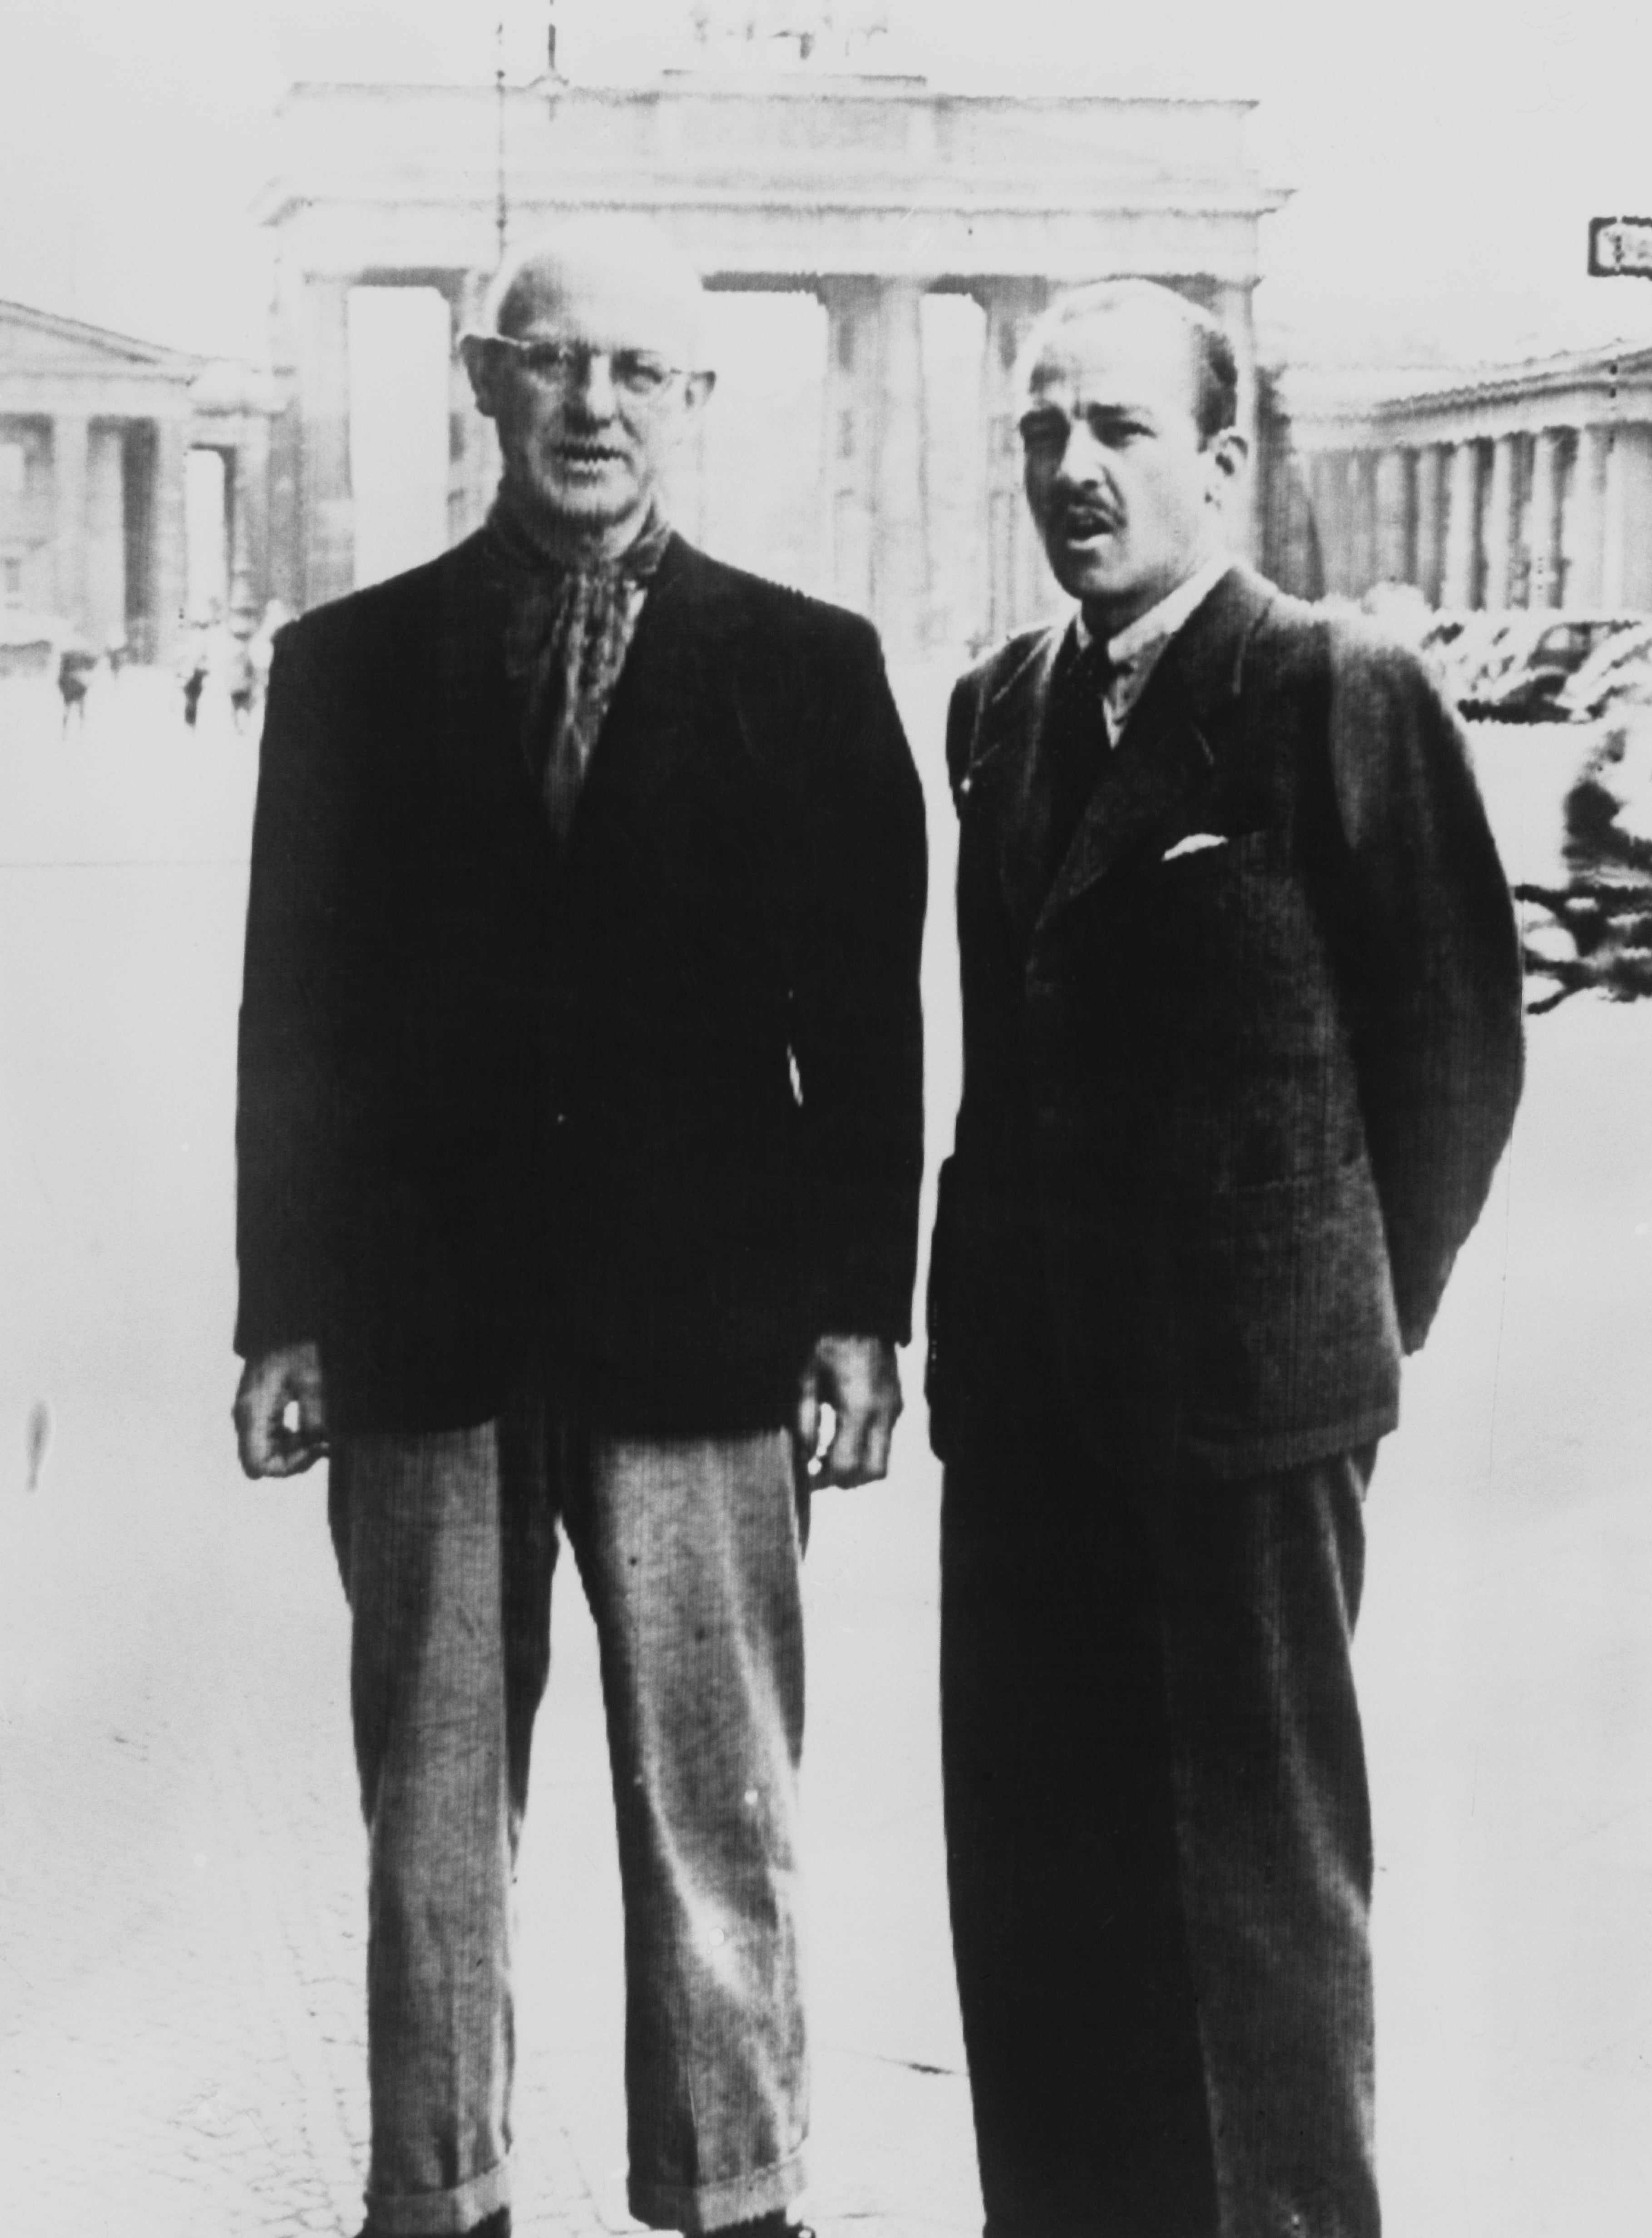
875	503
96	432
1544	516
116	526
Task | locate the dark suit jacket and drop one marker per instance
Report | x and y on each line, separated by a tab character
1229	1113
667	1094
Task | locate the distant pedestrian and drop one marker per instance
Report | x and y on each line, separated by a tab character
241	678
75	666
195	683
261	648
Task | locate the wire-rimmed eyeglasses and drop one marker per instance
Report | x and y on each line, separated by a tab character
636	374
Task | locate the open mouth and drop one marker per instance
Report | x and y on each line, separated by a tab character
1086	523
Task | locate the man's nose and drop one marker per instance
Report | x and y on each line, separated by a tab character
593	389
1083	463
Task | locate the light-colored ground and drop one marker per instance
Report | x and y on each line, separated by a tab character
180	1863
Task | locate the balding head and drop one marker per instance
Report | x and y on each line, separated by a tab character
624	271
589	366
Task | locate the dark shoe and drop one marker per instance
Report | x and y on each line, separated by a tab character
777	2225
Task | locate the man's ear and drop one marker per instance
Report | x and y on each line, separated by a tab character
482	365
1228	452
696	391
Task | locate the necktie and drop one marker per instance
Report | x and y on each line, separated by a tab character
1076	743
569	632
1090	677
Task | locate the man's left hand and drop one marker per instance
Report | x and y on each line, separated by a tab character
856	1377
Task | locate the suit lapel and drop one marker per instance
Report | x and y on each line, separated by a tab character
693	610
1008	774
477	727
1169	746
680	665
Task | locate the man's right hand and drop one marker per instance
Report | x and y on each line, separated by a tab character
280	1412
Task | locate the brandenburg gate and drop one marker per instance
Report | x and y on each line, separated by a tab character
866	191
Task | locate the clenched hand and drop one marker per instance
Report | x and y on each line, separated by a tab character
856	1377
280	1412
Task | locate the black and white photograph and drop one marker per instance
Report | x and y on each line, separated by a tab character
825	1120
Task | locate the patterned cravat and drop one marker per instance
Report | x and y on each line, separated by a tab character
566	643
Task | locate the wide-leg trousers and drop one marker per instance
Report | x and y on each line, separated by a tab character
1159	1845
689	1553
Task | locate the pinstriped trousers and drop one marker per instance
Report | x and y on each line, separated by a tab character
1158	1844
690	1553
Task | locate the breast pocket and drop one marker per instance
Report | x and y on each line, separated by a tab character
1235	1011
1222	928
1210	858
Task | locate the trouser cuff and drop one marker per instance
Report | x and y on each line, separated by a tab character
439	2214
714	2205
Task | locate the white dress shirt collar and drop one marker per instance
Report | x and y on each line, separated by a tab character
1136	651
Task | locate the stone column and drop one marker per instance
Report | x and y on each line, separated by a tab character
1327	495
250	546
324	405
849	438
1613	512
1461	526
1395	517
169	536
473	445
1627	568
286	562
1583	521
1020	586
70	440
1429	520
104	579
1637	550
901	507
1355	539
1542	521
1363	497
1500	525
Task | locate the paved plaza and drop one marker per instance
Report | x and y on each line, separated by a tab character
181	1864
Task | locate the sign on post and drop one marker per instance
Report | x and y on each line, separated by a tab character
1620	248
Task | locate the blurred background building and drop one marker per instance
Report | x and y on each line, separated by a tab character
1486	487
101	437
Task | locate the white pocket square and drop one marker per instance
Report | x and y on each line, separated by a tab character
1194	843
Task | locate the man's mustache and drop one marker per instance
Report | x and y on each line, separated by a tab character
1085	510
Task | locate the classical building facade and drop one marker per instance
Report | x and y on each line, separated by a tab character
866	191
1526	485
95	430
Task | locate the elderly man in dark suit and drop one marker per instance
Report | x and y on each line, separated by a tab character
579	1144
1242	1047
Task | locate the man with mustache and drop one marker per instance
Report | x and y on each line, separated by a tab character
1242	1047
579	1141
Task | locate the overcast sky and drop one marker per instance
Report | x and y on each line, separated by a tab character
1445	157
